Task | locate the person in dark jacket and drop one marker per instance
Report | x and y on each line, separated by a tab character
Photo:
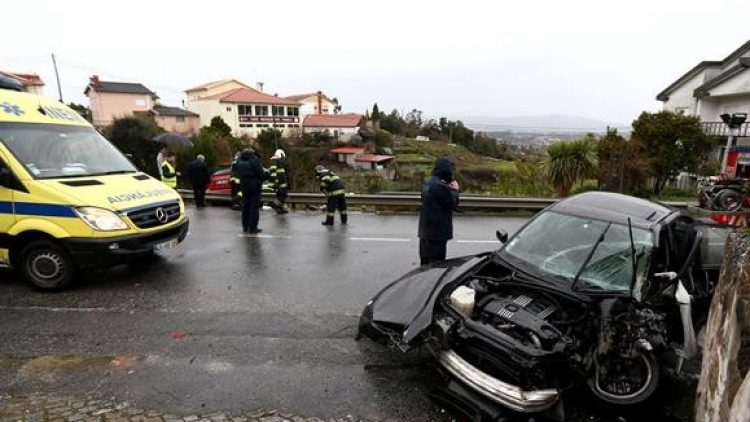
278	175
439	198
199	178
251	175
333	187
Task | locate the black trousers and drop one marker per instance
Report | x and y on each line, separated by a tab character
250	211
431	251
336	202
200	197
280	202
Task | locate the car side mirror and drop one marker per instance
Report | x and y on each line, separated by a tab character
501	235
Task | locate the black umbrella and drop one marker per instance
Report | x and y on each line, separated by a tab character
173	140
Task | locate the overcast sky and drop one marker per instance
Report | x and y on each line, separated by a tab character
599	59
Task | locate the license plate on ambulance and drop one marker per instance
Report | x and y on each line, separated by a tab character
163	248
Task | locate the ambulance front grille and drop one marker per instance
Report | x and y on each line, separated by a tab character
155	216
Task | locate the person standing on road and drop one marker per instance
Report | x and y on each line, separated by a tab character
161	156
333	187
199	178
278	176
251	175
168	173
234	182
439	198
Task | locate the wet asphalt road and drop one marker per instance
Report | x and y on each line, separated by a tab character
228	322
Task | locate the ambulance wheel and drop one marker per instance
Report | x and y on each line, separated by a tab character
47	265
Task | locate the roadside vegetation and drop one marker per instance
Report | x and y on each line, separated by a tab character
661	146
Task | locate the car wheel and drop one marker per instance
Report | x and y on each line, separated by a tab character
625	381
47	265
730	200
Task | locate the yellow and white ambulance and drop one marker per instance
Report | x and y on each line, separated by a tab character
70	200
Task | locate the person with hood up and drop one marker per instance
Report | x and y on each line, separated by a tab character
251	175
333	187
439	198
278	175
199	177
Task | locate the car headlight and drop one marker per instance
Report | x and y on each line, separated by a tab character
101	219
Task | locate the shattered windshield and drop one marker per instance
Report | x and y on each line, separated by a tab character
53	151
564	246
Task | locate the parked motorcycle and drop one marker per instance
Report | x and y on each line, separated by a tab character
718	194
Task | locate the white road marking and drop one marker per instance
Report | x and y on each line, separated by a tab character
52	309
477	241
380	239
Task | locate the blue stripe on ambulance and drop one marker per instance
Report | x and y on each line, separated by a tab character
30	208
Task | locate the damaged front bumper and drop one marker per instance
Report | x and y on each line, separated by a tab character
498	391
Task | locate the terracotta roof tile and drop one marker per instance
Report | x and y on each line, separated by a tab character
334	120
251	96
347	150
372	158
26	79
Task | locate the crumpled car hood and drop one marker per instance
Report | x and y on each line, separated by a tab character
404	309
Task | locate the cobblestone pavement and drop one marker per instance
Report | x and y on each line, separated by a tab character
55	408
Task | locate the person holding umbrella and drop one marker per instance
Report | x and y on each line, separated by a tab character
199	177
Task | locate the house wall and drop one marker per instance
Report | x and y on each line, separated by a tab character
711	107
344	134
310	106
34	89
682	99
105	106
218	89
188	126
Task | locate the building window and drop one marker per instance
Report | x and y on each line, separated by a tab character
262	125
292	111
278	125
246	125
261	110
246	110
229	109
180	119
277	110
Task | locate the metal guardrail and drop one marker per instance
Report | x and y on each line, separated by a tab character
413	200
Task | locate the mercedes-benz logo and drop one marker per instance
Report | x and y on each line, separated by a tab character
161	215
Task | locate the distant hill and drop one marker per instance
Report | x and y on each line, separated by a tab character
550	123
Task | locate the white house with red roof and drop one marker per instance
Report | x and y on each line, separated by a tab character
246	110
340	126
314	103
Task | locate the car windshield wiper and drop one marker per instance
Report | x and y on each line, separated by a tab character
590	256
106	173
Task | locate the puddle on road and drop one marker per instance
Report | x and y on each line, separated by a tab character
47	368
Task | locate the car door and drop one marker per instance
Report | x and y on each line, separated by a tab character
7	216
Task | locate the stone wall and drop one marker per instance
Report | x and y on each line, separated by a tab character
724	386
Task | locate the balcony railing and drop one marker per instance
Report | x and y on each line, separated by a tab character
721	129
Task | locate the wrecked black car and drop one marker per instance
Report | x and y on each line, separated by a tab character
600	289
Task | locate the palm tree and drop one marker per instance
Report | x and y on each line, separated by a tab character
571	162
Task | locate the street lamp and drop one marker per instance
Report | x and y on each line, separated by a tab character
734	122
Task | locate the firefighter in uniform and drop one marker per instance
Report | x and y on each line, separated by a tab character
333	187
168	173
278	175
234	183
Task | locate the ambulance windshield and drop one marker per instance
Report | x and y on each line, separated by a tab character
54	151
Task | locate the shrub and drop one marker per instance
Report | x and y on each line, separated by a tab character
133	136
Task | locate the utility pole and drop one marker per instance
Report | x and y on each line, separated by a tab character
57	76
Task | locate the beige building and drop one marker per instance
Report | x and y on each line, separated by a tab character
314	103
246	110
30	82
215	87
176	120
111	100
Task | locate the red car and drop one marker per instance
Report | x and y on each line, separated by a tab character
220	182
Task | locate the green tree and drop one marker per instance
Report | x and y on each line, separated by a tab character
220	126
571	162
375	115
669	143
133	136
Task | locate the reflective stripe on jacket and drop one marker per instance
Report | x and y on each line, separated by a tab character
168	175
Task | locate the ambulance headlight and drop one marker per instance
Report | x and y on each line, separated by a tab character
101	219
